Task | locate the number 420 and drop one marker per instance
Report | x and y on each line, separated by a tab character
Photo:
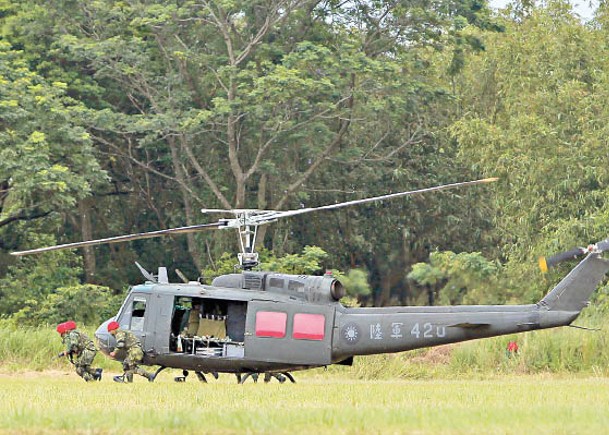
428	331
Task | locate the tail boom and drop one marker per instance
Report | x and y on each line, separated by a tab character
365	331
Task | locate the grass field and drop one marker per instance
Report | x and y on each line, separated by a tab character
60	402
557	384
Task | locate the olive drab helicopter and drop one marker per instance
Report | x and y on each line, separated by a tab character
264	323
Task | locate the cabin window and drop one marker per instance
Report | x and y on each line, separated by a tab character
276	282
296	286
309	326
271	324
137	314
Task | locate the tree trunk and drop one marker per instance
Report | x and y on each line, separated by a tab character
261	205
181	176
86	230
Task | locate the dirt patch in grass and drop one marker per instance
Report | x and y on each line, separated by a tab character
45	374
435	355
30	374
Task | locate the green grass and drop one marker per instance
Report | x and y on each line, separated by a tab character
35	349
559	383
318	403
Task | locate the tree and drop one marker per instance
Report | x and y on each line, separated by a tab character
263	105
466	277
536	100
86	304
46	158
31	280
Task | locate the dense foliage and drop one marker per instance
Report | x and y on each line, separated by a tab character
120	117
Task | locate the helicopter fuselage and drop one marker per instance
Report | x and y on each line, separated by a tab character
250	322
262	322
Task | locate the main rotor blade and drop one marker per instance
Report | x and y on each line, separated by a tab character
116	239
245	217
380	198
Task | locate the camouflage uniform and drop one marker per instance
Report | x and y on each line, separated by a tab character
81	351
129	343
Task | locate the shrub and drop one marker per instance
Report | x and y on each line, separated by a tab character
86	303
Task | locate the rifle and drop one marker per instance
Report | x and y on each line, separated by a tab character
62	354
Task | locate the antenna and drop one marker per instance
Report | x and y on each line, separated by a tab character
181	276
150	277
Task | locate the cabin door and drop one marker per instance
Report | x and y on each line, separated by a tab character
160	325
289	332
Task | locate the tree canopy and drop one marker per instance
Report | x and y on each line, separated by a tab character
121	117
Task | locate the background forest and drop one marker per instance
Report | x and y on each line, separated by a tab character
130	116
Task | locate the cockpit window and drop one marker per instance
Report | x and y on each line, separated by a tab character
137	314
124	308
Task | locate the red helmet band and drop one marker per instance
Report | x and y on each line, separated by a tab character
61	328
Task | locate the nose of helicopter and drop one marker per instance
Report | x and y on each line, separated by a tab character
104	338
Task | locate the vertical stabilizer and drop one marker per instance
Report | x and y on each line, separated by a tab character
573	292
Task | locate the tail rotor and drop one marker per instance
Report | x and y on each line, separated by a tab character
571	254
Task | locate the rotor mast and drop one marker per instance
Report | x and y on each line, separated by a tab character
248	257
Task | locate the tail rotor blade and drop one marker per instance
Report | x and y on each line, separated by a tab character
546	263
564	256
596	248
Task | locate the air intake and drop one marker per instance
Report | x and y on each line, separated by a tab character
253	281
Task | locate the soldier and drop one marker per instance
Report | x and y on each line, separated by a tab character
194	319
126	341
80	349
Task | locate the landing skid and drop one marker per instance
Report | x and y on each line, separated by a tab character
281	377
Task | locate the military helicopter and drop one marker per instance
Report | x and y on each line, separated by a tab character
260	322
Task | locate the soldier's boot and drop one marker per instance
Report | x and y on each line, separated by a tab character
98	374
129	377
84	373
145	374
88	377
254	377
120	379
215	375
181	378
